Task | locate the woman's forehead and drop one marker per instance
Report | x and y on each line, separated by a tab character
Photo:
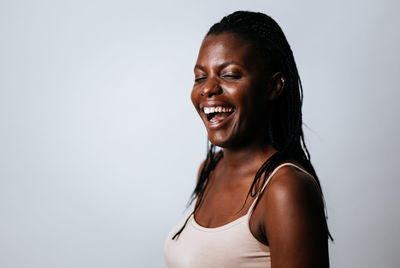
227	47
225	41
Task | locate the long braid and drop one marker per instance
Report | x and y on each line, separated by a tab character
209	164
285	124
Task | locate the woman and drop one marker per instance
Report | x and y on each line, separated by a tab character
248	93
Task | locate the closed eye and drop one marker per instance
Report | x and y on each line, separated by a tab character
198	79
232	76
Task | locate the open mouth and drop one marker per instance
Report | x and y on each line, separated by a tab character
217	113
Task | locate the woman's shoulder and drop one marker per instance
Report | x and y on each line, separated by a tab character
293	217
292	188
291	178
293	201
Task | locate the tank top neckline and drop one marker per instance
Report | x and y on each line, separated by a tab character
249	212
218	228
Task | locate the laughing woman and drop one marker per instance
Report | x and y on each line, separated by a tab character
258	201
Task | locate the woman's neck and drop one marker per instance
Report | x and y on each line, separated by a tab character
247	159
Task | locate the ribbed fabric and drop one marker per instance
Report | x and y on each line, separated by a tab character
228	246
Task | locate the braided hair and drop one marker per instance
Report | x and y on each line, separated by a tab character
285	131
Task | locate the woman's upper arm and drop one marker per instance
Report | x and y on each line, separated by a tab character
294	221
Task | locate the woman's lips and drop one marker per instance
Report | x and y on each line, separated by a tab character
216	114
216	120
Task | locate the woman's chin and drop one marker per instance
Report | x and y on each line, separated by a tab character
235	142
219	141
222	140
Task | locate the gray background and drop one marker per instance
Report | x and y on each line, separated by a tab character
100	145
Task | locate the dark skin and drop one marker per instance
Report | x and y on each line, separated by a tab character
289	217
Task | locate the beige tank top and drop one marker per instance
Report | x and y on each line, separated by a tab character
228	246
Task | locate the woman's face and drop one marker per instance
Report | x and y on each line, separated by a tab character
230	90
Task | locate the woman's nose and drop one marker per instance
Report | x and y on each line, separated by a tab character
211	88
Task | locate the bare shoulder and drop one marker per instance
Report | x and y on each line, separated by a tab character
294	219
295	196
290	183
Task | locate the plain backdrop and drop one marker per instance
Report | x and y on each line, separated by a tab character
100	144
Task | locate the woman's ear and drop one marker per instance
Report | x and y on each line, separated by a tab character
277	83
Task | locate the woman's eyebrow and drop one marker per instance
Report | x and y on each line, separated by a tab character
227	63
222	65
197	66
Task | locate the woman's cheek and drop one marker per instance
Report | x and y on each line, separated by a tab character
193	97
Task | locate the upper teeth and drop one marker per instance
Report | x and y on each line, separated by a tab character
217	109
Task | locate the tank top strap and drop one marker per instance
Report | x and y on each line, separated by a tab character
269	178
